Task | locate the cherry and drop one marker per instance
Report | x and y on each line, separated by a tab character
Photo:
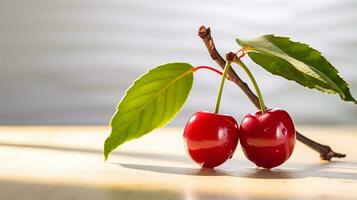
211	138
267	139
267	136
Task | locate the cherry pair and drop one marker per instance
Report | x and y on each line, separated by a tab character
267	139
267	136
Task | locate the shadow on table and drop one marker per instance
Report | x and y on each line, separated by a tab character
177	170
332	170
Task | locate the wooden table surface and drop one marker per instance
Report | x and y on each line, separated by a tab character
67	163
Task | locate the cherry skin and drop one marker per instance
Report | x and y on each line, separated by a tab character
210	138
268	139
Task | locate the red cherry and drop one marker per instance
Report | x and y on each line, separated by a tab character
268	139
211	138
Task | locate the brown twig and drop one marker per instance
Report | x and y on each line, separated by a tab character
326	153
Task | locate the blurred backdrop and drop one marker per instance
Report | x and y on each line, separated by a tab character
70	61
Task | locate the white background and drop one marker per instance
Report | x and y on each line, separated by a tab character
70	61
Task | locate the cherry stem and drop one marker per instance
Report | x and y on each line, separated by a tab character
220	90
207	67
243	53
252	79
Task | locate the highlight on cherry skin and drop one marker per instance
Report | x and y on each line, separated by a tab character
268	139
210	138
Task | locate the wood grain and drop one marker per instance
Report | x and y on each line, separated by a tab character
67	163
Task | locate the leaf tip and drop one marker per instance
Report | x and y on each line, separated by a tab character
106	150
106	155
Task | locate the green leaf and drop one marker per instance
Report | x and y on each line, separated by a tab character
151	102
298	62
